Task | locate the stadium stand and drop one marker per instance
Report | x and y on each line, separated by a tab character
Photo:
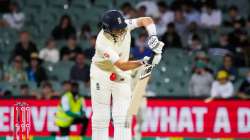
172	75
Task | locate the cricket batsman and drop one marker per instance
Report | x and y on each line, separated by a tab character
110	72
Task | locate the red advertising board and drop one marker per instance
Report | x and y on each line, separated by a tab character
162	117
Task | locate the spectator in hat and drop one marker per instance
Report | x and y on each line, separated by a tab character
25	47
35	70
244	90
222	87
201	81
50	53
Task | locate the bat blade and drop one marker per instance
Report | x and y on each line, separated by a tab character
139	90
138	94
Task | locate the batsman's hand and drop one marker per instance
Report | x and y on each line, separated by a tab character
156	59
155	45
153	60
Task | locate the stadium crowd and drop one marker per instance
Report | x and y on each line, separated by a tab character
195	27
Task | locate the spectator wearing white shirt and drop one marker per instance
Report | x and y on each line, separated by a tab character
151	8
210	16
15	19
166	14
201	81
222	87
191	14
50	53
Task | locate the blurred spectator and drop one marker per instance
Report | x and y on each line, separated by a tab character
85	32
25	47
47	91
191	14
244	90
15	18
233	15
210	16
222	47
35	71
192	29
201	56
50	53
248	22
16	73
150	6
180	22
195	44
4	6
141	11
89	53
24	90
222	87
166	14
71	110
80	71
128	10
228	66
7	94
140	50
238	38
171	37
66	86
1	70
64	29
70	51
201	81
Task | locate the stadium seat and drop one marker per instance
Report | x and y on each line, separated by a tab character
107	4
37	4
56	3
60	71
80	4
84	91
56	86
243	71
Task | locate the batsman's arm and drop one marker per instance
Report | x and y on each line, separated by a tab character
128	65
148	23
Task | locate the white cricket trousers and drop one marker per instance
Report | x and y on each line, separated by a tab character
101	91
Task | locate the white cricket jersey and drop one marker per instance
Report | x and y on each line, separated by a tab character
108	51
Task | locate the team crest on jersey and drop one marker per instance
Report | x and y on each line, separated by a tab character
106	55
119	20
97	86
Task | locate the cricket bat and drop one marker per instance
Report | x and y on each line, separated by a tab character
140	88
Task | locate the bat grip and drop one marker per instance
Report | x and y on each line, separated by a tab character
151	58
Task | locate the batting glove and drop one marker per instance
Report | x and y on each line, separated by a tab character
155	60
155	45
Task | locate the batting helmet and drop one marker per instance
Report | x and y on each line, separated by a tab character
113	19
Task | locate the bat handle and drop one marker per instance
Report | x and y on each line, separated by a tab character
151	58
